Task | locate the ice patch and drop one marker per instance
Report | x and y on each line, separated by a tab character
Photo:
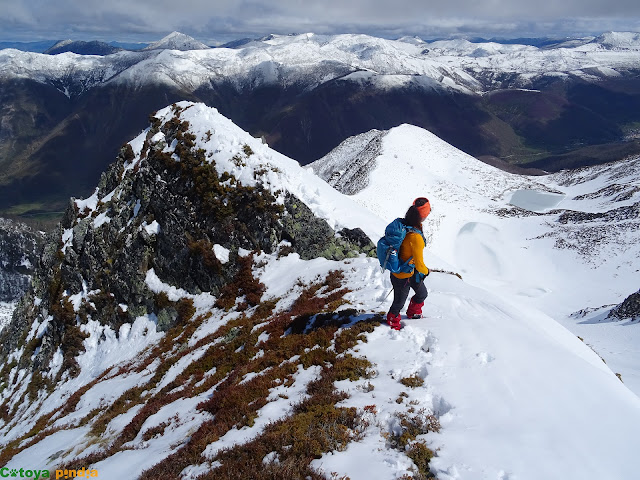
535	200
25	263
109	196
136	209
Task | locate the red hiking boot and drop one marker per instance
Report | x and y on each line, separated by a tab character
414	310
394	321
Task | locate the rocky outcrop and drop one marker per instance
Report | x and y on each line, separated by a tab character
19	251
629	309
164	213
347	167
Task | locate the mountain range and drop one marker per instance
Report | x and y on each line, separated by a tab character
64	117
213	310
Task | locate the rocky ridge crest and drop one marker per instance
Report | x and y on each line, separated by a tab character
163	212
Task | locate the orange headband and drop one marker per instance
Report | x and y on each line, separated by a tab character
424	209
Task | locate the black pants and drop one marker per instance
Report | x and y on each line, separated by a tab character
401	290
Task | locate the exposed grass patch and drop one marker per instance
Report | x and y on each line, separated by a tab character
421	456
247	150
413	424
153	431
413	381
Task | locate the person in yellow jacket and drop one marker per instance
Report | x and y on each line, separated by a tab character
412	247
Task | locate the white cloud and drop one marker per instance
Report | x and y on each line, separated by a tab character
204	19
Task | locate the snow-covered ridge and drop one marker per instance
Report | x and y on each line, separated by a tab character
533	239
61	43
311	60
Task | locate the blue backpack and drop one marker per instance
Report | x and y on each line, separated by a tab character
389	246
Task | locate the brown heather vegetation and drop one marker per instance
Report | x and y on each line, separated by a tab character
243	283
413	381
40	431
316	425
413	424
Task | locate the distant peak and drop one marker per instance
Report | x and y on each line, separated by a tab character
415	40
619	40
177	41
81	47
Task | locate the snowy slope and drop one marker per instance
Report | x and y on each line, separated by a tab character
573	249
311	60
514	392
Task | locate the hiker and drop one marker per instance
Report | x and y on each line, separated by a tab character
412	246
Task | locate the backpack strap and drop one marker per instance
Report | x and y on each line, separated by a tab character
415	230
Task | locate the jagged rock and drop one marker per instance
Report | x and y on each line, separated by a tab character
312	237
616	215
355	236
629	309
19	251
347	167
169	211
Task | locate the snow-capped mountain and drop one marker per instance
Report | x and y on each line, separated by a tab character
618	40
456	64
177	41
558	107
272	364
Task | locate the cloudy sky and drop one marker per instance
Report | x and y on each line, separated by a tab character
213	21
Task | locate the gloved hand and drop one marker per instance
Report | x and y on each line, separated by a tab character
419	276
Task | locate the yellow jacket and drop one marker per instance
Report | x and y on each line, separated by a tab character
412	246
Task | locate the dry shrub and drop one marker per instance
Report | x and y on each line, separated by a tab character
244	283
414	381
